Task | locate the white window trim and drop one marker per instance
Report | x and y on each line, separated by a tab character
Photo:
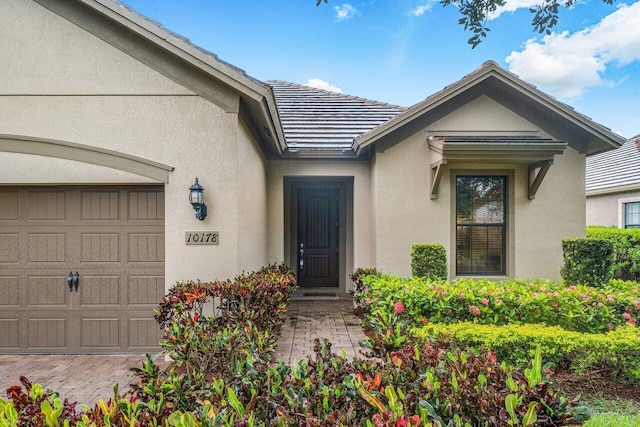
621	203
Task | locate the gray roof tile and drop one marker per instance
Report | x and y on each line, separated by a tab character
315	119
614	169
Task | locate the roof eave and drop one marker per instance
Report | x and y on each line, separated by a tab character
250	90
224	72
487	70
612	190
523	152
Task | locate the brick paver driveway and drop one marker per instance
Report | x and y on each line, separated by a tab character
88	378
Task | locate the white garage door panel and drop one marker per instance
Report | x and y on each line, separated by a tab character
113	237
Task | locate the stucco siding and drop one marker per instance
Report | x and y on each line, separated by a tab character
483	114
19	168
604	209
557	212
57	57
252	203
404	213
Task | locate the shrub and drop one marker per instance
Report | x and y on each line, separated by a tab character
242	325
618	350
359	288
429	260
574	308
587	261
627	249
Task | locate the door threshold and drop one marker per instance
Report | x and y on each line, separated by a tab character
309	294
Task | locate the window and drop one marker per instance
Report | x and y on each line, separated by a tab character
632	215
481	207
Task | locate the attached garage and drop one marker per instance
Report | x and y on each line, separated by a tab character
81	268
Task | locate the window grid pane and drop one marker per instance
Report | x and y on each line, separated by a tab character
480	230
632	215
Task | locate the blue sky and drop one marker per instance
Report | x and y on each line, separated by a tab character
401	51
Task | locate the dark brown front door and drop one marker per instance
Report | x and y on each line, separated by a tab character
318	246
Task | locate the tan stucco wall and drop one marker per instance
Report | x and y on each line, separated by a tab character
252	203
557	212
18	168
405	214
80	93
57	57
482	114
604	209
360	251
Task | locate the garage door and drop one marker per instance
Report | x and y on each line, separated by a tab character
81	269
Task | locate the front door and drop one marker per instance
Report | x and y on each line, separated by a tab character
318	242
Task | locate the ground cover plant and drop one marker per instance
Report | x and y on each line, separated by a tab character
224	375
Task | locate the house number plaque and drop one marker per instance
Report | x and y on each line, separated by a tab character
201	238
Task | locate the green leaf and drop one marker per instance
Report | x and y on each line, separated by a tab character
531	416
510	403
235	403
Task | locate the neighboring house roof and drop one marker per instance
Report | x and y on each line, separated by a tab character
616	170
504	87
323	121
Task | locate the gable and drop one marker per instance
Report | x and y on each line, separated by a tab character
52	56
555	119
483	115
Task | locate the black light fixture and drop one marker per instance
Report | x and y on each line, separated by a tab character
196	198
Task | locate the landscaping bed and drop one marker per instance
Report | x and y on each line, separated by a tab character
221	337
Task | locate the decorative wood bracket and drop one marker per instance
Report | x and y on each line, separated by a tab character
436	175
535	179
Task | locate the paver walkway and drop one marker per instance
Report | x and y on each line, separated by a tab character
308	320
88	378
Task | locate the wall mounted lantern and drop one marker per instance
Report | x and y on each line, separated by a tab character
196	198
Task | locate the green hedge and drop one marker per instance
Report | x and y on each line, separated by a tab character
429	260
587	261
618	350
627	249
574	308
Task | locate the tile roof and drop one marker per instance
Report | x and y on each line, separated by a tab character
614	170
319	120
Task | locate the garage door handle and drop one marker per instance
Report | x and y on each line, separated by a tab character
76	279
70	281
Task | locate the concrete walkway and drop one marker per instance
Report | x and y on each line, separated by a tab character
88	378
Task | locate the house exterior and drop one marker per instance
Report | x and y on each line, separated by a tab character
613	186
107	119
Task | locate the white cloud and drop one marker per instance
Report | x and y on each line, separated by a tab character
321	84
566	64
346	11
426	6
513	5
